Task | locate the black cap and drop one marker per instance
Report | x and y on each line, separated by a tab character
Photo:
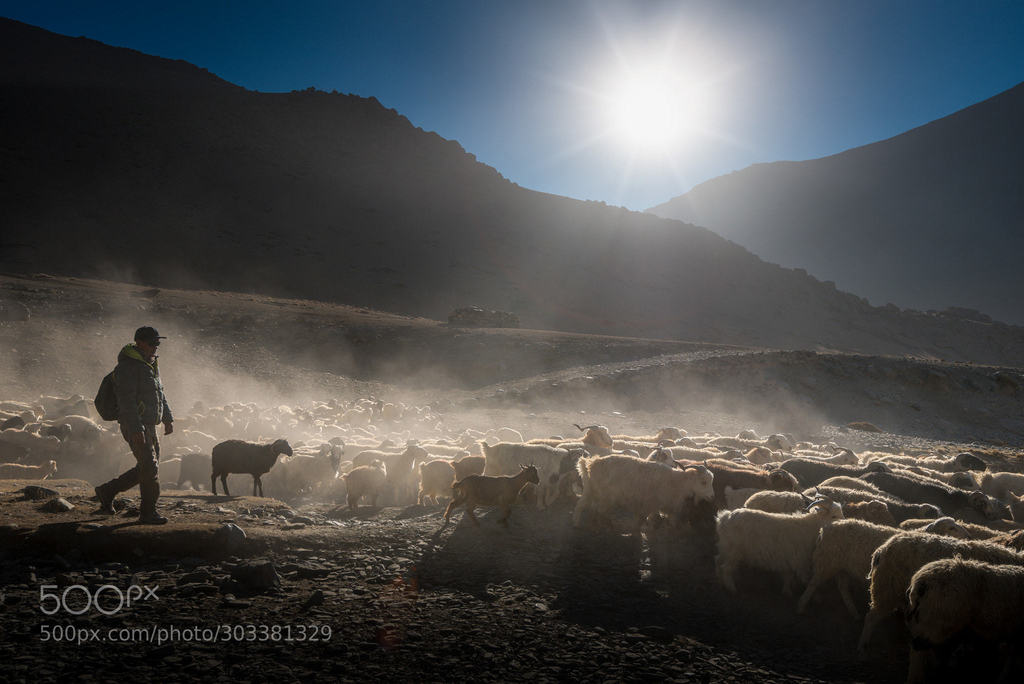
148	334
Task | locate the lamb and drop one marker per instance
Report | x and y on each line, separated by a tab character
368	480
951	596
775	542
20	471
894	563
436	480
485	490
236	456
843	550
642	487
469	465
503	459
811	472
194	468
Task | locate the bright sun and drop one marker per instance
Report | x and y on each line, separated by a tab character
652	111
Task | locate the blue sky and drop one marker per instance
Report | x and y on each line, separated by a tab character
535	88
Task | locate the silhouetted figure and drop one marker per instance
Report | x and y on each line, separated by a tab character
142	406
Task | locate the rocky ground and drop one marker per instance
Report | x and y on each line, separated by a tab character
316	591
389	593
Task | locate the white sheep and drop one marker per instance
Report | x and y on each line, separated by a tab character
1001	485
774	502
20	471
843	551
952	596
894	563
641	487
775	542
505	458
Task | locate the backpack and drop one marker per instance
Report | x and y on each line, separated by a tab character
106	398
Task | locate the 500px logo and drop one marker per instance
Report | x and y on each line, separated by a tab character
78	599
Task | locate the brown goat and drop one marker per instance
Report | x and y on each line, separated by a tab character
490	490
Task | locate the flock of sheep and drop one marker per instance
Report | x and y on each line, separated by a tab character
940	540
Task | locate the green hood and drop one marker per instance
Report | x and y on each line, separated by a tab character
132	352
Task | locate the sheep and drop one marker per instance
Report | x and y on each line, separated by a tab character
436	479
780	442
843	550
469	465
894	563
597	439
728	474
965	530
775	542
961	479
300	474
642	487
1017	509
486	490
402	473
811	472
962	461
170	471
850	483
1001	485
873	511
951	596
761	455
504	457
777	502
194	468
236	456
367	480
948	499
20	471
737	498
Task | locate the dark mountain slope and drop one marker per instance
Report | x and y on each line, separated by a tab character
928	219
336	198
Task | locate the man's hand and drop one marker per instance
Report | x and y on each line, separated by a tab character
168	427
138	440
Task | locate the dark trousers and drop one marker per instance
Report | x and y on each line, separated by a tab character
144	474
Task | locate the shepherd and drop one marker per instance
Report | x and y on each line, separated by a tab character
141	407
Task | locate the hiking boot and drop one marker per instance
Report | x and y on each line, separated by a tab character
106	501
153	518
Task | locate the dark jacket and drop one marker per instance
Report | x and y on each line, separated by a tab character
140	394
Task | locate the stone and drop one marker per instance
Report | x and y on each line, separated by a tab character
58	505
35	492
230	537
256	575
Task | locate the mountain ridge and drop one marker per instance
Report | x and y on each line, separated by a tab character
336	198
923	219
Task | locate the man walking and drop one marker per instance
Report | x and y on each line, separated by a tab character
142	406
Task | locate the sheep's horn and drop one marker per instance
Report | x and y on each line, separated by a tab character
584	429
819	500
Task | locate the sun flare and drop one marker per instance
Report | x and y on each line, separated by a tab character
653	110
